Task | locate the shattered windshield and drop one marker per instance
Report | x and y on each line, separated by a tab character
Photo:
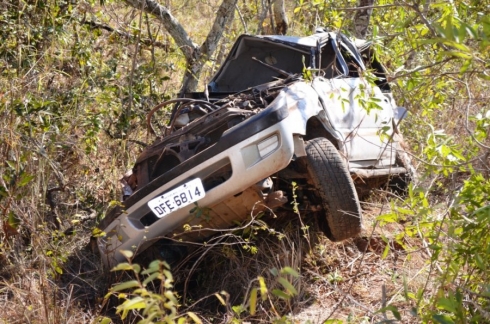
255	61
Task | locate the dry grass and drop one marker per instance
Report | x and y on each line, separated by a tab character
31	292
336	279
352	280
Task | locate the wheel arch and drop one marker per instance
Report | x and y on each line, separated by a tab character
315	128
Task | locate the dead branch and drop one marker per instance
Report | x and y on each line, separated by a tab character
171	24
195	55
126	35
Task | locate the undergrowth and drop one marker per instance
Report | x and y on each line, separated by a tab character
74	91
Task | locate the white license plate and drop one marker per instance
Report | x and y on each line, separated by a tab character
178	198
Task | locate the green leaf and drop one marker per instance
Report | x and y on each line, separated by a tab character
25	178
149	317
443	319
13	220
392	309
288	286
290	271
150	278
97	232
122	267
11	164
127	254
405	288
480	263
465	66
167	273
199	213
170	296
238	309
435	247
102	320
136	268
263	288
447	304
388	218
135	303
125	285
221	300
484	76
404	211
458	54
281	294
194	317
385	251
154	266
140	291
253	301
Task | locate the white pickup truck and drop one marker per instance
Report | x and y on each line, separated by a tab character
281	109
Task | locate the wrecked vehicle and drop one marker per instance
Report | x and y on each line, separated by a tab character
280	110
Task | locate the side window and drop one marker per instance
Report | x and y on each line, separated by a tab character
378	69
352	63
329	62
337	62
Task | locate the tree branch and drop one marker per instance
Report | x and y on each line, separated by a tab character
371	7
419	68
173	27
147	42
223	17
195	56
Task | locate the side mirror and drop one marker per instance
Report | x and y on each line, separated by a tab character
399	113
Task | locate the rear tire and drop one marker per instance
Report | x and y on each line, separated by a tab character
334	186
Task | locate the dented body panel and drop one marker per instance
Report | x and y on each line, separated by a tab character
244	139
358	112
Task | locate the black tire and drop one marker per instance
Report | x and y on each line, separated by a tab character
334	186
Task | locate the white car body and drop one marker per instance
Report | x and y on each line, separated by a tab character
241	165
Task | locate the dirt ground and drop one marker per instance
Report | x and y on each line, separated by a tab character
348	281
353	280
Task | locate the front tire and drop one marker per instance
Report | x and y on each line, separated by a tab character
334	186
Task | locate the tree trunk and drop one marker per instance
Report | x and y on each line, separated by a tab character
224	16
195	56
261	18
280	18
362	17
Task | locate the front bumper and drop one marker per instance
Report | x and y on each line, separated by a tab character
260	154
